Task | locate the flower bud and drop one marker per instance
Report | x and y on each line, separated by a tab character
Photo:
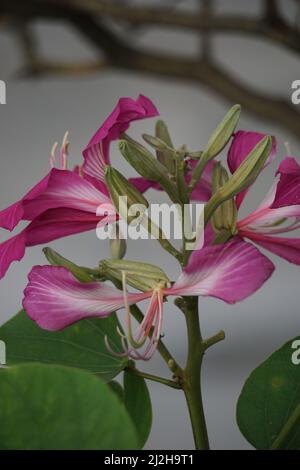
142	276
164	156
147	165
55	259
242	178
222	133
225	216
117	244
123	193
155	142
217	142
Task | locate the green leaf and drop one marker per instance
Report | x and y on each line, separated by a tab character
117	389
81	345
138	403
54	407
268	409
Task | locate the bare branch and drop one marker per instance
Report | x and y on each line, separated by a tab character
86	17
202	73
43	67
278	31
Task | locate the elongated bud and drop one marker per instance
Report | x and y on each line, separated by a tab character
123	194
225	216
217	142
142	276
117	244
147	165
155	142
222	133
243	177
164	156
55	259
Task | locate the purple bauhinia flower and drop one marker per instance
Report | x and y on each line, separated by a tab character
55	299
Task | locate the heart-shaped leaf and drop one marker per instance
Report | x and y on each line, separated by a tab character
81	345
268	409
54	407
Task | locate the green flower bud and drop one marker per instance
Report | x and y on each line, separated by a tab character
55	259
122	193
117	244
155	142
217	142
164	156
223	132
242	178
225	216
147	165
142	276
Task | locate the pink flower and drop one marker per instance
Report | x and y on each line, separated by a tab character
54	299
66	202
242	144
279	213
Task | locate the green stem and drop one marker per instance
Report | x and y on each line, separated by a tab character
154	378
286	432
192	372
166	245
198	173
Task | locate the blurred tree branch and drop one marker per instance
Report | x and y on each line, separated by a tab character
89	17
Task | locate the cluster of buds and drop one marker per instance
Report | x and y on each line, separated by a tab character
94	194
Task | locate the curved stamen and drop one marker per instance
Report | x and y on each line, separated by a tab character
140	342
52	154
64	152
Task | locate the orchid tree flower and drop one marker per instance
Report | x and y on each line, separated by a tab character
67	202
55	299
279	213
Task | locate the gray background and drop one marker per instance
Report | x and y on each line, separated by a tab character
38	112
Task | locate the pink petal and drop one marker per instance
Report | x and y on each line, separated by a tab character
288	187
51	225
60	188
96	154
230	272
288	165
55	299
11	216
242	144
11	250
264	219
203	190
142	184
65	189
287	248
